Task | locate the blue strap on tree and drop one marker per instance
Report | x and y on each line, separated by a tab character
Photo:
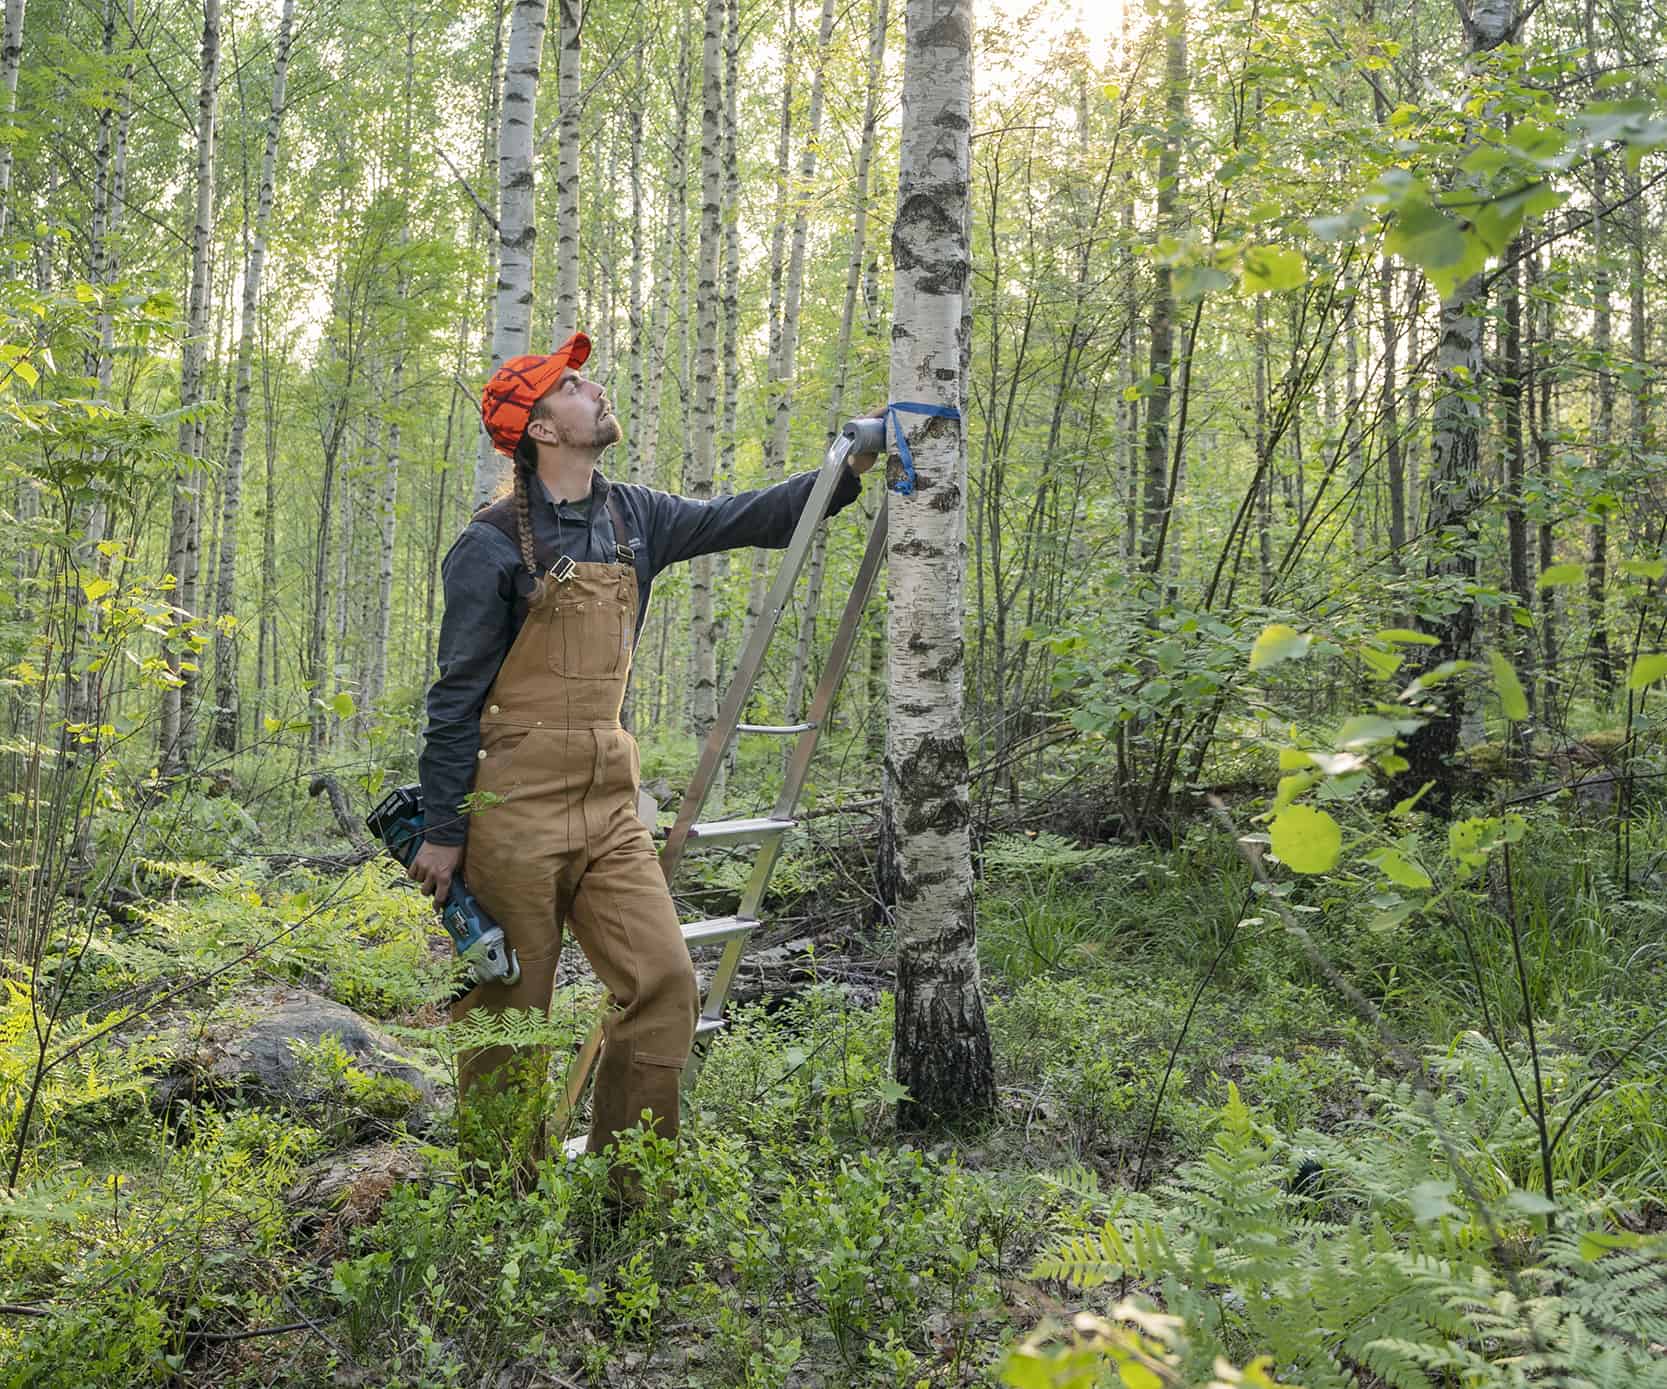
905	484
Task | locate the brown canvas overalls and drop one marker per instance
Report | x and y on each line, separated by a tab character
564	844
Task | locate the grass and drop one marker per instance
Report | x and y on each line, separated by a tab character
800	1231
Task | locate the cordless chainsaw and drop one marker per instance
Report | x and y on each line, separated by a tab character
398	823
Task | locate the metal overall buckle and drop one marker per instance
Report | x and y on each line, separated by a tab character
624	554
563	569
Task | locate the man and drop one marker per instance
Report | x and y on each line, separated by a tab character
546	590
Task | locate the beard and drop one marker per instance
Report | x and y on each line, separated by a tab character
605	430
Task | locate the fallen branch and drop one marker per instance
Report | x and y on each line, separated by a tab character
343	811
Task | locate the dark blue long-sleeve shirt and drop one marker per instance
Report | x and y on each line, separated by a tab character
480	621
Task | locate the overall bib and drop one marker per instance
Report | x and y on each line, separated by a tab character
563	844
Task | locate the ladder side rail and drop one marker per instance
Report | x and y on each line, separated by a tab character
752	659
839	662
752	896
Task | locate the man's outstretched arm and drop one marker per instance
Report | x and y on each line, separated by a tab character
684	528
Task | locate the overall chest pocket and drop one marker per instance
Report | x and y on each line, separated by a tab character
588	639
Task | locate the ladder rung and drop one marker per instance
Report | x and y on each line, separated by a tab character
718	928
777	728
707	1026
738	831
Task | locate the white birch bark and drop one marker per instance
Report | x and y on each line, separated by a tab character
730	296
1454	483
800	675
780	393
703	458
570	16
1603	432
376	675
517	211
184	537
11	60
634	385
226	703
942	1051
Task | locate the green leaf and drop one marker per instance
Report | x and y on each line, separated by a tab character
1365	729
342	705
1404	636
1290	787
1383	663
1594	1244
96	589
1511	694
1434	242
1278	643
1652	569
1272	269
1195	281
1399	869
1429	1202
1529	1203
1561	575
1306	840
1138	1376
1646	670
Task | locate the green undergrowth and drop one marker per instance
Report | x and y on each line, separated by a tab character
1190	1116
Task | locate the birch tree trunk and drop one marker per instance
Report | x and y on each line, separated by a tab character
1388	408
1155	500
639	336
1516	518
1603	436
1454	485
942	1051
729	303
517	212
1264	470
226	706
1638	417
731	294
778	223
703	653
11	60
381	630
780	393
571	16
800	676
184	536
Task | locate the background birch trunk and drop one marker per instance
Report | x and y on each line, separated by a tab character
11	61
517	212
703	654
226	704
800	676
1454	485
1155	498
780	392
381	624
571	18
184	537
942	1052
1603	435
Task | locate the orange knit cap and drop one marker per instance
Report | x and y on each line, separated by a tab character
507	402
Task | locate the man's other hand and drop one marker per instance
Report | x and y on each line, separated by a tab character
860	463
434	867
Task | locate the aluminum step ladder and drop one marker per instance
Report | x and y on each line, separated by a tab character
766	832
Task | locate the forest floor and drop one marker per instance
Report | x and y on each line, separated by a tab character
1184	1086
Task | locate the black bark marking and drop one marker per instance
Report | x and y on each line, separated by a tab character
954	31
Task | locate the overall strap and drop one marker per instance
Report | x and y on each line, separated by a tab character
622	549
500	515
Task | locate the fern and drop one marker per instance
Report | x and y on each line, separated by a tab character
1357	1280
